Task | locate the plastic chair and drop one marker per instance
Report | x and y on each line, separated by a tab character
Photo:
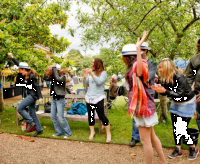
81	91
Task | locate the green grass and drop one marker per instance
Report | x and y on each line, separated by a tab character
121	126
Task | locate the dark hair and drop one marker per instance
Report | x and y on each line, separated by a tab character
49	73
29	71
131	59
198	42
98	64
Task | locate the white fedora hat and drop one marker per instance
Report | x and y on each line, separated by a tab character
129	49
23	65
145	46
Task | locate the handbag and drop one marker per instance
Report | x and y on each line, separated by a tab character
47	107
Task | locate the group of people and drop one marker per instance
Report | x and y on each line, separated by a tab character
140	75
174	85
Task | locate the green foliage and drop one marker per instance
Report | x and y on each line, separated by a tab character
25	23
112	64
172	25
80	61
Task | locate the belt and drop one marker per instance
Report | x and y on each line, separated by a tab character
58	98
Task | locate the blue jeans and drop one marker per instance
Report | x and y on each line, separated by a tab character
198	115
32	116
24	92
48	84
57	107
135	131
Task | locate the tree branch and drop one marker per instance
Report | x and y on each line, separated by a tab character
111	5
172	24
194	12
190	24
146	15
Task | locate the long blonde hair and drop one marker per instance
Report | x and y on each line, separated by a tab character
169	69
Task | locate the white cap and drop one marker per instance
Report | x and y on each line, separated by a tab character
23	65
58	66
145	46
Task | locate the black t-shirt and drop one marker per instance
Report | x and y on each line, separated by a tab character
53	93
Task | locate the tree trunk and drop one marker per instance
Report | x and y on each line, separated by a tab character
163	108
1	95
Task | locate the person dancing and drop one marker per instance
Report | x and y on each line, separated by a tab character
96	78
141	105
57	90
34	93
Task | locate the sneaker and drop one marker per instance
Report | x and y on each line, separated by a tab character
133	142
193	153
38	133
32	124
65	137
176	153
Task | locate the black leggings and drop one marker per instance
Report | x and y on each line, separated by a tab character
180	129
100	111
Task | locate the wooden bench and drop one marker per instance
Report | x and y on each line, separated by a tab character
69	100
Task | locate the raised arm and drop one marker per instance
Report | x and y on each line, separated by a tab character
139	57
13	59
85	77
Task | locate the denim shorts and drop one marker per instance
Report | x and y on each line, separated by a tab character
183	110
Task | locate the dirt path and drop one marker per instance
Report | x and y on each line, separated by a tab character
14	149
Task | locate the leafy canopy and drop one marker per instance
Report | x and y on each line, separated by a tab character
173	26
25	23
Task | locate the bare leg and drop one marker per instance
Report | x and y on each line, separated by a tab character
145	137
92	132
158	146
108	133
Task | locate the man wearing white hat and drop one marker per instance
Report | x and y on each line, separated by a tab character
152	72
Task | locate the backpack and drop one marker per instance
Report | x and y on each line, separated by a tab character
47	107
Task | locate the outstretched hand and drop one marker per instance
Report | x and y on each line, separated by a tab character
140	41
85	72
158	88
10	55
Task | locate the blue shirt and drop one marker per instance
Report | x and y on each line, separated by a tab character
96	85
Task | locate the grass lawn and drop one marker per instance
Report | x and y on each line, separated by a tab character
121	126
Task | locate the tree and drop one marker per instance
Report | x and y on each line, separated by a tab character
172	25
87	61
75	56
25	23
